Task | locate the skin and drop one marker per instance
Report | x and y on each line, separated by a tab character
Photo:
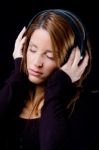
40	59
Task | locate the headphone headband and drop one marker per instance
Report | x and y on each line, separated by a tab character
73	20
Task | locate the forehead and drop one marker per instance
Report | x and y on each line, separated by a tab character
40	34
41	37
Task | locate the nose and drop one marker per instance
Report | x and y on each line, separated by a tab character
38	60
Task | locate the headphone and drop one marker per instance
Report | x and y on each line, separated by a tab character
73	20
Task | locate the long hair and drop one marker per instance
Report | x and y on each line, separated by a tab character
63	40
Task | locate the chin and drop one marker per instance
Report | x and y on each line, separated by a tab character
35	80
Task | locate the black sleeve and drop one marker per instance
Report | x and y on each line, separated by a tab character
54	122
7	89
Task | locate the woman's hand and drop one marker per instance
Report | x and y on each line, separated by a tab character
72	66
19	44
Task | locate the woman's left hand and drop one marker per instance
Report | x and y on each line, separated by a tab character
72	66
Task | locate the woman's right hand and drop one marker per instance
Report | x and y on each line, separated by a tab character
19	44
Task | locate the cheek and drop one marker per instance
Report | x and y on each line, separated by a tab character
29	59
50	67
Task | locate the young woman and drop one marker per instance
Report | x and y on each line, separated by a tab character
51	62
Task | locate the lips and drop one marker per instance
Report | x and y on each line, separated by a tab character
35	72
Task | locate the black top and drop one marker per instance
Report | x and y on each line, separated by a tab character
24	134
54	130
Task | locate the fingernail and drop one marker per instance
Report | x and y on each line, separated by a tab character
24	27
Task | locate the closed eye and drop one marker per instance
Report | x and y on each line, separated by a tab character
32	50
50	55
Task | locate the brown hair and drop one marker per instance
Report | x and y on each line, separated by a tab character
63	40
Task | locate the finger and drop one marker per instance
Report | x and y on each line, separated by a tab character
77	57
84	62
22	43
71	57
21	34
19	45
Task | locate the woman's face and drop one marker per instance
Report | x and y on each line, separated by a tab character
40	59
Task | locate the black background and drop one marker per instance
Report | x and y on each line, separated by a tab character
16	14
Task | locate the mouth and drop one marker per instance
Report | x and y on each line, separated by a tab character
35	73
